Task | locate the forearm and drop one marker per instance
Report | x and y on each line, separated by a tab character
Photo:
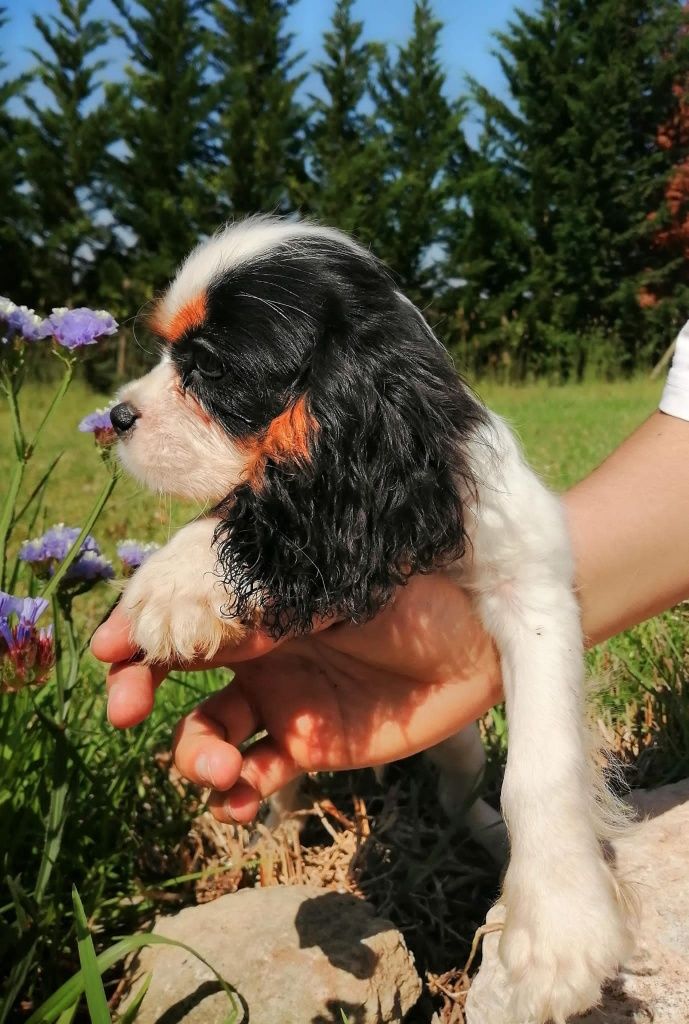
629	524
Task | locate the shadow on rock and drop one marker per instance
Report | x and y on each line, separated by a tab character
179	1011
617	1007
322	922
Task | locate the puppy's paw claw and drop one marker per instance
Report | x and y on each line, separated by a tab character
175	601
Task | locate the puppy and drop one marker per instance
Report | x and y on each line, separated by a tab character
304	397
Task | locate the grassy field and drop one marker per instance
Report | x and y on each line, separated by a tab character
137	842
566	432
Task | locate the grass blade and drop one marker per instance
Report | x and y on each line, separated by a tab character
15	981
40	486
93	985
57	817
130	1013
68	1016
69	993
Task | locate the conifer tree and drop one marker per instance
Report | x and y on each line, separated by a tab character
160	194
259	122
574	158
16	222
424	148
64	151
345	152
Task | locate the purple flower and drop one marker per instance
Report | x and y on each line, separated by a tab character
133	553
19	321
74	328
98	423
45	553
52	547
26	653
90	567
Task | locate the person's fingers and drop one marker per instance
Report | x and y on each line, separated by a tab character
239	805
231	708
111	641
266	769
131	690
202	753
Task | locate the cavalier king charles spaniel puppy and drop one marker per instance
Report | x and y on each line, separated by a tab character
306	400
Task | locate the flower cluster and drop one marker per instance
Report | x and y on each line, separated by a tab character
19	322
98	423
133	553
27	653
71	328
74	328
45	553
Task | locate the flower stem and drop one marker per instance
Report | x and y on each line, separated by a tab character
7	516
57	398
10	502
11	390
54	581
23	452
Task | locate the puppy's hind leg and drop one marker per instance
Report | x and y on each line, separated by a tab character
285	802
567	926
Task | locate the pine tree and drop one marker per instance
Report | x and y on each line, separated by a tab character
345	152
424	149
260	124
64	152
160	194
16	222
575	169
671	222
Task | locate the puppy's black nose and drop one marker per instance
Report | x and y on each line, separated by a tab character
123	417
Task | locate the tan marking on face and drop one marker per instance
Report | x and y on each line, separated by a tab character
188	317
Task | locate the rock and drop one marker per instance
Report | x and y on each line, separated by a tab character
654	985
295	955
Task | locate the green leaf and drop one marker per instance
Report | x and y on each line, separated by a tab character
68	1016
93	986
130	1013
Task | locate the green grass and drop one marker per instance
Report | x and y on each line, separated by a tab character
566	431
78	478
122	828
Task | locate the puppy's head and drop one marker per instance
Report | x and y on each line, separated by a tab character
307	398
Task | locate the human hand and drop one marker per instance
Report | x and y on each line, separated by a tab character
343	697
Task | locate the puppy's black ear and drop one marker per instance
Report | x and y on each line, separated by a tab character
358	484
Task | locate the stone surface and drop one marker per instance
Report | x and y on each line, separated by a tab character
654	985
295	954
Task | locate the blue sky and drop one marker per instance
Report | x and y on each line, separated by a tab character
466	39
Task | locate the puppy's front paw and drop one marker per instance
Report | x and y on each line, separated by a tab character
565	933
175	600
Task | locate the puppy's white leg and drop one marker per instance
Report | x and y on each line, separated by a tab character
175	600
566	929
461	761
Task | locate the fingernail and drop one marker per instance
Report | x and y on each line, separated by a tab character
93	636
203	769
112	701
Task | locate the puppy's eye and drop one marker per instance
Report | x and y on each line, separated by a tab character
206	362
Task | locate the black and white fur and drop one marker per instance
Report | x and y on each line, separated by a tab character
393	468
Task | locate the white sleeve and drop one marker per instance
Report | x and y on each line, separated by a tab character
675	400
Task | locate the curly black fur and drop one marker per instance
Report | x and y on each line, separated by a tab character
378	499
